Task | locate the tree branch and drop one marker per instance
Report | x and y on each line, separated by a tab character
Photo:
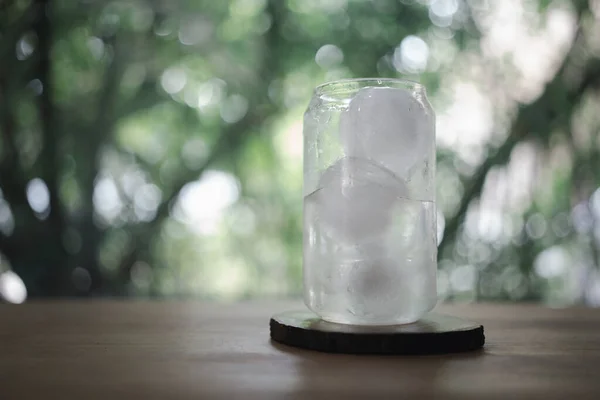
146	97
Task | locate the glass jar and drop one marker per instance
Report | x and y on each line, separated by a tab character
369	202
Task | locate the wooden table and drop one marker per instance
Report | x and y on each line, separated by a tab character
189	350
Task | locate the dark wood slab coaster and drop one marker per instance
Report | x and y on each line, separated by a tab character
433	334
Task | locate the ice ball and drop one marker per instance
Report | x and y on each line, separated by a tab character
354	199
388	125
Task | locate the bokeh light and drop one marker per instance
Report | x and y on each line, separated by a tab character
12	288
202	203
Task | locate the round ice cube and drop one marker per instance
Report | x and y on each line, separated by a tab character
355	197
376	285
381	288
387	125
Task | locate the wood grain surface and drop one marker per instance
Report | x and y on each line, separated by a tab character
190	350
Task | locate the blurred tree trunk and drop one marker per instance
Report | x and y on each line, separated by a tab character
35	248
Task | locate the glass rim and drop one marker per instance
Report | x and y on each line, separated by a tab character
342	85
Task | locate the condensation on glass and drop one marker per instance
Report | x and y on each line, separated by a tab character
369	202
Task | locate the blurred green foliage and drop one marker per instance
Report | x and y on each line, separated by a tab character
153	147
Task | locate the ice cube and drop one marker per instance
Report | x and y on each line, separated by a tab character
376	287
354	199
387	125
384	288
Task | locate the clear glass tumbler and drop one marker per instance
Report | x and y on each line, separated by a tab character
369	202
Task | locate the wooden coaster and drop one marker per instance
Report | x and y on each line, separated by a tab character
433	334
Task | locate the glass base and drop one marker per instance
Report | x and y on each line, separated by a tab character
346	320
346	317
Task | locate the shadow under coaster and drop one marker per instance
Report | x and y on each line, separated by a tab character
433	334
